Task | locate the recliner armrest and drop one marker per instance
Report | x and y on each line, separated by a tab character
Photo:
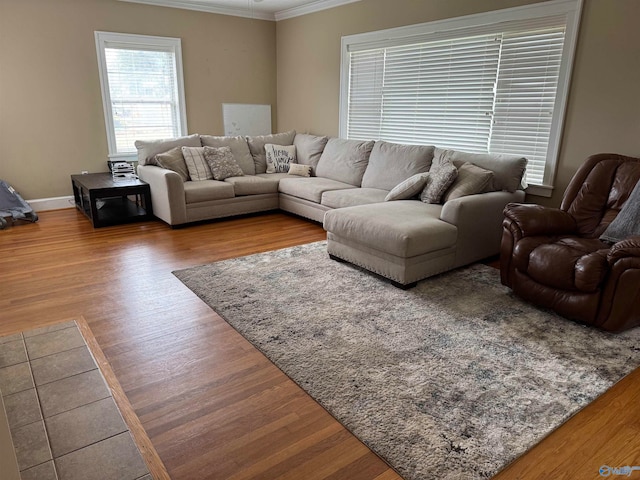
534	220
629	247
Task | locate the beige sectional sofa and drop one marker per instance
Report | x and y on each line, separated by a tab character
402	240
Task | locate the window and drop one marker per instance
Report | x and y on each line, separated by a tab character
494	82
142	89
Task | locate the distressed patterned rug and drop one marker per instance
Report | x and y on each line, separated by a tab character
452	379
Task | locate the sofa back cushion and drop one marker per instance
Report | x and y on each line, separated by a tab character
148	149
257	143
344	160
508	170
391	164
309	148
239	149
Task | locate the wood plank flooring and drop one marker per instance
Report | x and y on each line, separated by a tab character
212	405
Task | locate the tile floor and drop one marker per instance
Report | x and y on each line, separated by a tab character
64	422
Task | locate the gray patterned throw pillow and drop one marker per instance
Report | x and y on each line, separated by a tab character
441	176
222	163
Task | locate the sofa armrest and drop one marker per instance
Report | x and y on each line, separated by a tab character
167	193
479	222
620	302
629	247
533	220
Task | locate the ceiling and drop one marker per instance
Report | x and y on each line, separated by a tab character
261	9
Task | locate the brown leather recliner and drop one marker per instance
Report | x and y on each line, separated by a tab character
554	258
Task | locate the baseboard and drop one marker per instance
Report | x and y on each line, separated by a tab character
54	203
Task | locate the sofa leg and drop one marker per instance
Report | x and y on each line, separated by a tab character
403	286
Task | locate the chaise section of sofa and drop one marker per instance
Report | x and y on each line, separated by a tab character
408	240
403	241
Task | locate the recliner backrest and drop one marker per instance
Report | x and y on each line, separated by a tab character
598	191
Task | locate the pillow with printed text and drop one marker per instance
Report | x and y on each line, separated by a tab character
279	157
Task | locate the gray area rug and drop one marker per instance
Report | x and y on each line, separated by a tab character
452	379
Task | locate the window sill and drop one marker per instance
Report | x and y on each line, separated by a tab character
539	190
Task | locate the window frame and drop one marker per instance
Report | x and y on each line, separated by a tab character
422	32
137	42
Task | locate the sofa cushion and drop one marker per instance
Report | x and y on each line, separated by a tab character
173	160
408	189
471	180
508	170
206	190
274	177
256	146
440	178
279	157
344	160
310	188
309	148
222	163
405	228
352	196
239	148
570	263
252	185
148	149
196	163
390	164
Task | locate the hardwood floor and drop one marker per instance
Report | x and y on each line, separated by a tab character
212	405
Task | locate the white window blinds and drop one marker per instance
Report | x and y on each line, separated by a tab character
365	99
143	95
525	96
490	87
440	92
141	89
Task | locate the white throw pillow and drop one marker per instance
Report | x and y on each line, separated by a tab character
257	142
196	163
300	170
279	157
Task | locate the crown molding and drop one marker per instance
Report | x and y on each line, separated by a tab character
316	6
200	6
206	7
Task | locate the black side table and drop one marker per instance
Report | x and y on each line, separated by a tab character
107	202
